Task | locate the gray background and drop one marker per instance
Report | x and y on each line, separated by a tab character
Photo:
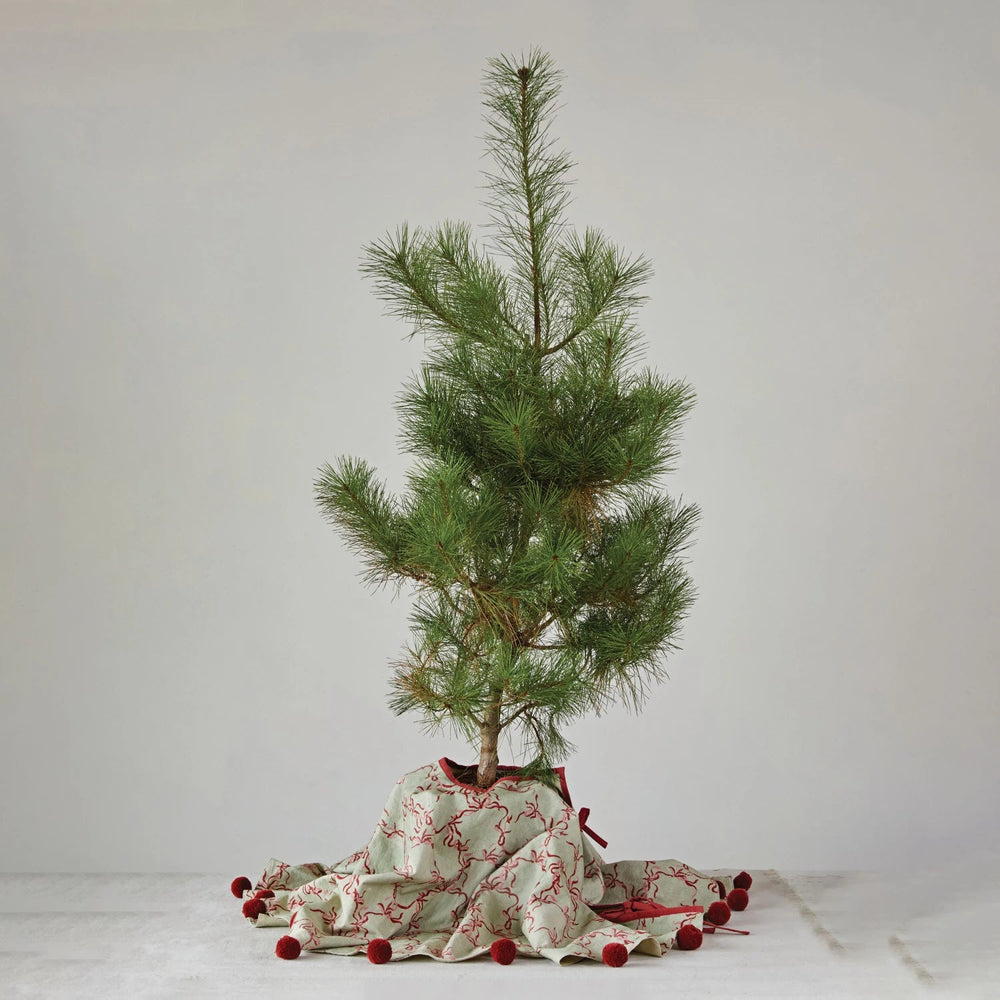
193	677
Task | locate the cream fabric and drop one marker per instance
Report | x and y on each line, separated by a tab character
451	868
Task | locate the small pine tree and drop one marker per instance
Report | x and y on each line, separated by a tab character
547	566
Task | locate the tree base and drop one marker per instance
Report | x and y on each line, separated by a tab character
452	869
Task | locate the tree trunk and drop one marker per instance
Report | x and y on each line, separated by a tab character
488	759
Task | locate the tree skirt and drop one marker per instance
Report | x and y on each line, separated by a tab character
453	871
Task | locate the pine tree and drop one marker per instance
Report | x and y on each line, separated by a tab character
547	564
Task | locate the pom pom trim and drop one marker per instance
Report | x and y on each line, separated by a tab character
503	951
614	954
240	885
288	947
738	899
718	913
379	951
689	937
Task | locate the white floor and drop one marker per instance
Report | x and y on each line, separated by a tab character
812	936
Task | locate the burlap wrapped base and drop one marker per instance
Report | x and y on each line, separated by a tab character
451	869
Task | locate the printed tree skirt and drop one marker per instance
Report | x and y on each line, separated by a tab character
453	871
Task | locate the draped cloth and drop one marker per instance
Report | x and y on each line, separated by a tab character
452	868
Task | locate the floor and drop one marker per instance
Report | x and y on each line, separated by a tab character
812	935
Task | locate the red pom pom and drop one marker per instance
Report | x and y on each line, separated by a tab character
264	894
253	908
738	899
379	951
743	881
615	954
503	952
718	913
240	886
288	947
689	937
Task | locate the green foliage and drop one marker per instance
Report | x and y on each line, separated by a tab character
548	566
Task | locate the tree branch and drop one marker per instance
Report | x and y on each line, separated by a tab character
524	73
